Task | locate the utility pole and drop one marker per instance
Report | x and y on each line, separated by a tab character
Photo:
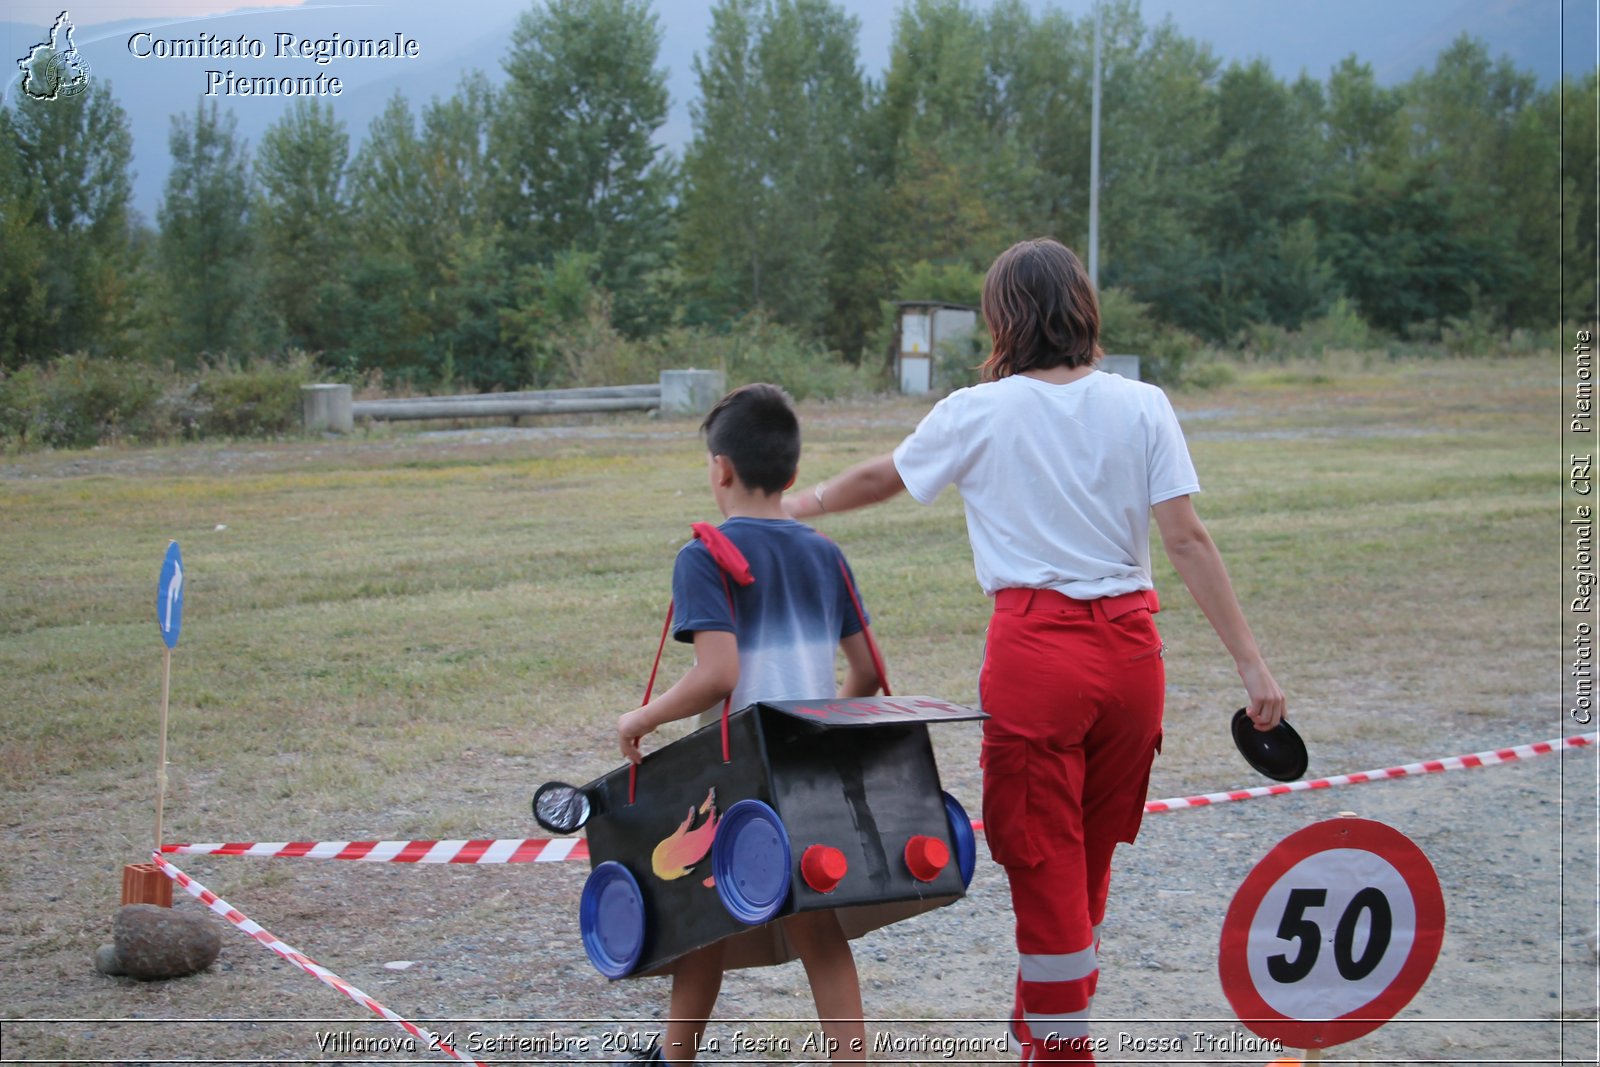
1094	161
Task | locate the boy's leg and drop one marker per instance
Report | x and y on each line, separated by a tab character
835	986
696	981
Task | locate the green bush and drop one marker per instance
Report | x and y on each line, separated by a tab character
1128	327
950	283
759	351
756	350
957	360
77	401
1340	329
1208	374
21	395
589	350
259	398
1472	334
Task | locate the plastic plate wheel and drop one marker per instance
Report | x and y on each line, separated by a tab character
751	862
1278	753
961	836
611	919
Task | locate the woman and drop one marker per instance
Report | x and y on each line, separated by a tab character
1060	468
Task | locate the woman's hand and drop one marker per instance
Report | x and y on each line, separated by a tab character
1267	702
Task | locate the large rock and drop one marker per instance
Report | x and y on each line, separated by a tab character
151	942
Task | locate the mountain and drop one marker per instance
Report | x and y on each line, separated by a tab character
1293	35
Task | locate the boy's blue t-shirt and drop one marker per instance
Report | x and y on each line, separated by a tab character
788	622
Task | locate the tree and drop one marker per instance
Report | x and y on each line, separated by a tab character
1403	252
950	168
1363	131
27	326
1159	180
1466	123
776	188
204	245
1580	171
575	140
429	275
1265	264
65	192
303	222
1042	69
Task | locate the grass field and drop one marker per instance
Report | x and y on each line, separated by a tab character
399	635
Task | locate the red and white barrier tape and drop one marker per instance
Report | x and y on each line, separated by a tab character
551	850
509	850
205	896
1433	766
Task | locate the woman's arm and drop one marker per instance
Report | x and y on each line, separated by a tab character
866	483
1195	557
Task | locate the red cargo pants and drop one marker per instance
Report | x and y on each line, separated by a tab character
1074	690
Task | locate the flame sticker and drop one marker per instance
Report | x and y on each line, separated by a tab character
685	847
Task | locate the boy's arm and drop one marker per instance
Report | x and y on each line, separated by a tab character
707	683
860	673
1196	559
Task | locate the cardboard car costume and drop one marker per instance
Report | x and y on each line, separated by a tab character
780	808
819	804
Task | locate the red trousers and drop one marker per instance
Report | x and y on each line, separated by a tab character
1074	690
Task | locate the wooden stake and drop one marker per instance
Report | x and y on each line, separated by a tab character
161	766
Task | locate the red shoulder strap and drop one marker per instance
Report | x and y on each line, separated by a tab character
724	552
733	565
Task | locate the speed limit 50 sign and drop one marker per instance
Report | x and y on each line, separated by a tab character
1331	934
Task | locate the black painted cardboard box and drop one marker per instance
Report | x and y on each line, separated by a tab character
820	804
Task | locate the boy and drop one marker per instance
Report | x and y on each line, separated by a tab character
771	639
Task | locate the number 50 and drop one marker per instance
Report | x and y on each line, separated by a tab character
1295	926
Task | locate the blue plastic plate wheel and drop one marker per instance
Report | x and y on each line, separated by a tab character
961	837
611	919
751	862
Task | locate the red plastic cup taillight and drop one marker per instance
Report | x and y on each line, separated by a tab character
823	867
926	857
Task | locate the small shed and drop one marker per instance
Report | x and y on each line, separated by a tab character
920	327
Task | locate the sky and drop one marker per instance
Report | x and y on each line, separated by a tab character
1288	32
1397	37
87	13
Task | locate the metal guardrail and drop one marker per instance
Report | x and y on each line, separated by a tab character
500	405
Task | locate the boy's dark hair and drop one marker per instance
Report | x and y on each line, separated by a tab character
1041	310
756	428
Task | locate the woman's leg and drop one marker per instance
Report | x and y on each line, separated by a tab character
1075	705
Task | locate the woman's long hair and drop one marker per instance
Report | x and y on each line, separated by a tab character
1041	310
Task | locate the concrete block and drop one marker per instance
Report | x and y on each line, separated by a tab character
691	392
1127	366
326	407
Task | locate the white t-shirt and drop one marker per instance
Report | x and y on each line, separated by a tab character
1057	480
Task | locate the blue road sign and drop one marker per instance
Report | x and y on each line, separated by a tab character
169	596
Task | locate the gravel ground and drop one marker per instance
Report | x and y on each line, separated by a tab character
492	955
